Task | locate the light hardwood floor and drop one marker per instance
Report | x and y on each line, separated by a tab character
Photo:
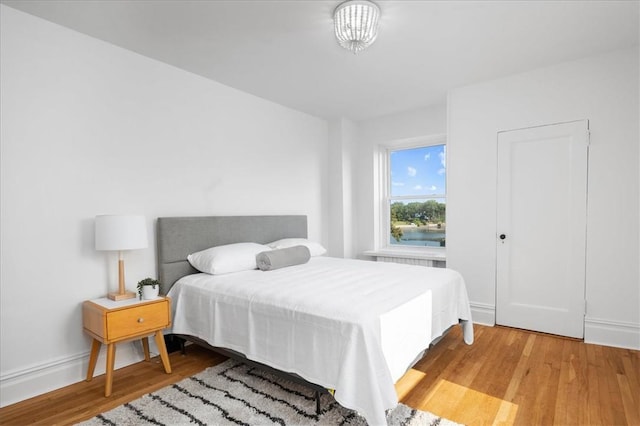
507	376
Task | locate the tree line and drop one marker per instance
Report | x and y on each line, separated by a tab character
416	212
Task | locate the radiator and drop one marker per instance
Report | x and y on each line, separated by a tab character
408	261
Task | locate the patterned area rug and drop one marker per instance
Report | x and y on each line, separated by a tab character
233	393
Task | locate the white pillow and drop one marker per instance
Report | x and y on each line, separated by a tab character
315	249
227	258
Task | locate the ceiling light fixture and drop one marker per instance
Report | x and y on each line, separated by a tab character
356	24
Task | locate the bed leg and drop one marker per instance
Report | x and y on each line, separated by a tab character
318	402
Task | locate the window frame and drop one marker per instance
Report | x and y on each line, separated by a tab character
385	198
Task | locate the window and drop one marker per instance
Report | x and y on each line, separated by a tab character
415	201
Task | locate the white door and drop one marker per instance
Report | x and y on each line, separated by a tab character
541	224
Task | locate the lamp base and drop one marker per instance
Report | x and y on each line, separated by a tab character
121	296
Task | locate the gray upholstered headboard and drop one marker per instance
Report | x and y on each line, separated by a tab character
177	237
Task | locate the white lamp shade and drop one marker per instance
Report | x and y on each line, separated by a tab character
121	232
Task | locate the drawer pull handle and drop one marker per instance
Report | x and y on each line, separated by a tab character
140	320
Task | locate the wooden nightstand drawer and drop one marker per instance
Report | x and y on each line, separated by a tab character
136	321
110	321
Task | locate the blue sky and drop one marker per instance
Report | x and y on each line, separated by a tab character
418	171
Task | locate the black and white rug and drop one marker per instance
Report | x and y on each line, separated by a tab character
233	393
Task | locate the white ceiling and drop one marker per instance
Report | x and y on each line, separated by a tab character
285	51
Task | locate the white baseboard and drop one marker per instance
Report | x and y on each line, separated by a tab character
483	313
596	330
612	333
22	384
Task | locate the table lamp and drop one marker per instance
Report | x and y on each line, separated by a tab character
119	233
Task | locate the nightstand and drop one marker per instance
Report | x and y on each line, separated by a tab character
110	322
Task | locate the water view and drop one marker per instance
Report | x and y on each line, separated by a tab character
425	236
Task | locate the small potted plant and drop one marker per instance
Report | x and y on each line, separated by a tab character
148	289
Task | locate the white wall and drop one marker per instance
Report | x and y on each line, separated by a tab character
384	130
602	89
89	128
343	140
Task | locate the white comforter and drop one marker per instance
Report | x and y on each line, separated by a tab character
328	321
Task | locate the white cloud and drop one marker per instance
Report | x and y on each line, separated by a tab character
441	171
397	183
433	188
427	156
417	187
443	157
411	171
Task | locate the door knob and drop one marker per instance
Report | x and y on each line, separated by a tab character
502	236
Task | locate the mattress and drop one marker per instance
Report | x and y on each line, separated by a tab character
349	325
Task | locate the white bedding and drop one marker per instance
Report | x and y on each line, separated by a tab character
349	325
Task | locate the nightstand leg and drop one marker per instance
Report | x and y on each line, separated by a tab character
145	346
111	357
163	351
93	358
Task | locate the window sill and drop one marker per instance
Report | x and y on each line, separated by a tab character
402	253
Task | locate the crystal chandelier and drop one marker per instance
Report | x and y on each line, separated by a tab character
356	24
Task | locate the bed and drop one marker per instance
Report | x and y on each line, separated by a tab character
339	324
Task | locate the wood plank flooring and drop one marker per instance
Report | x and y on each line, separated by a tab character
507	376
511	376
